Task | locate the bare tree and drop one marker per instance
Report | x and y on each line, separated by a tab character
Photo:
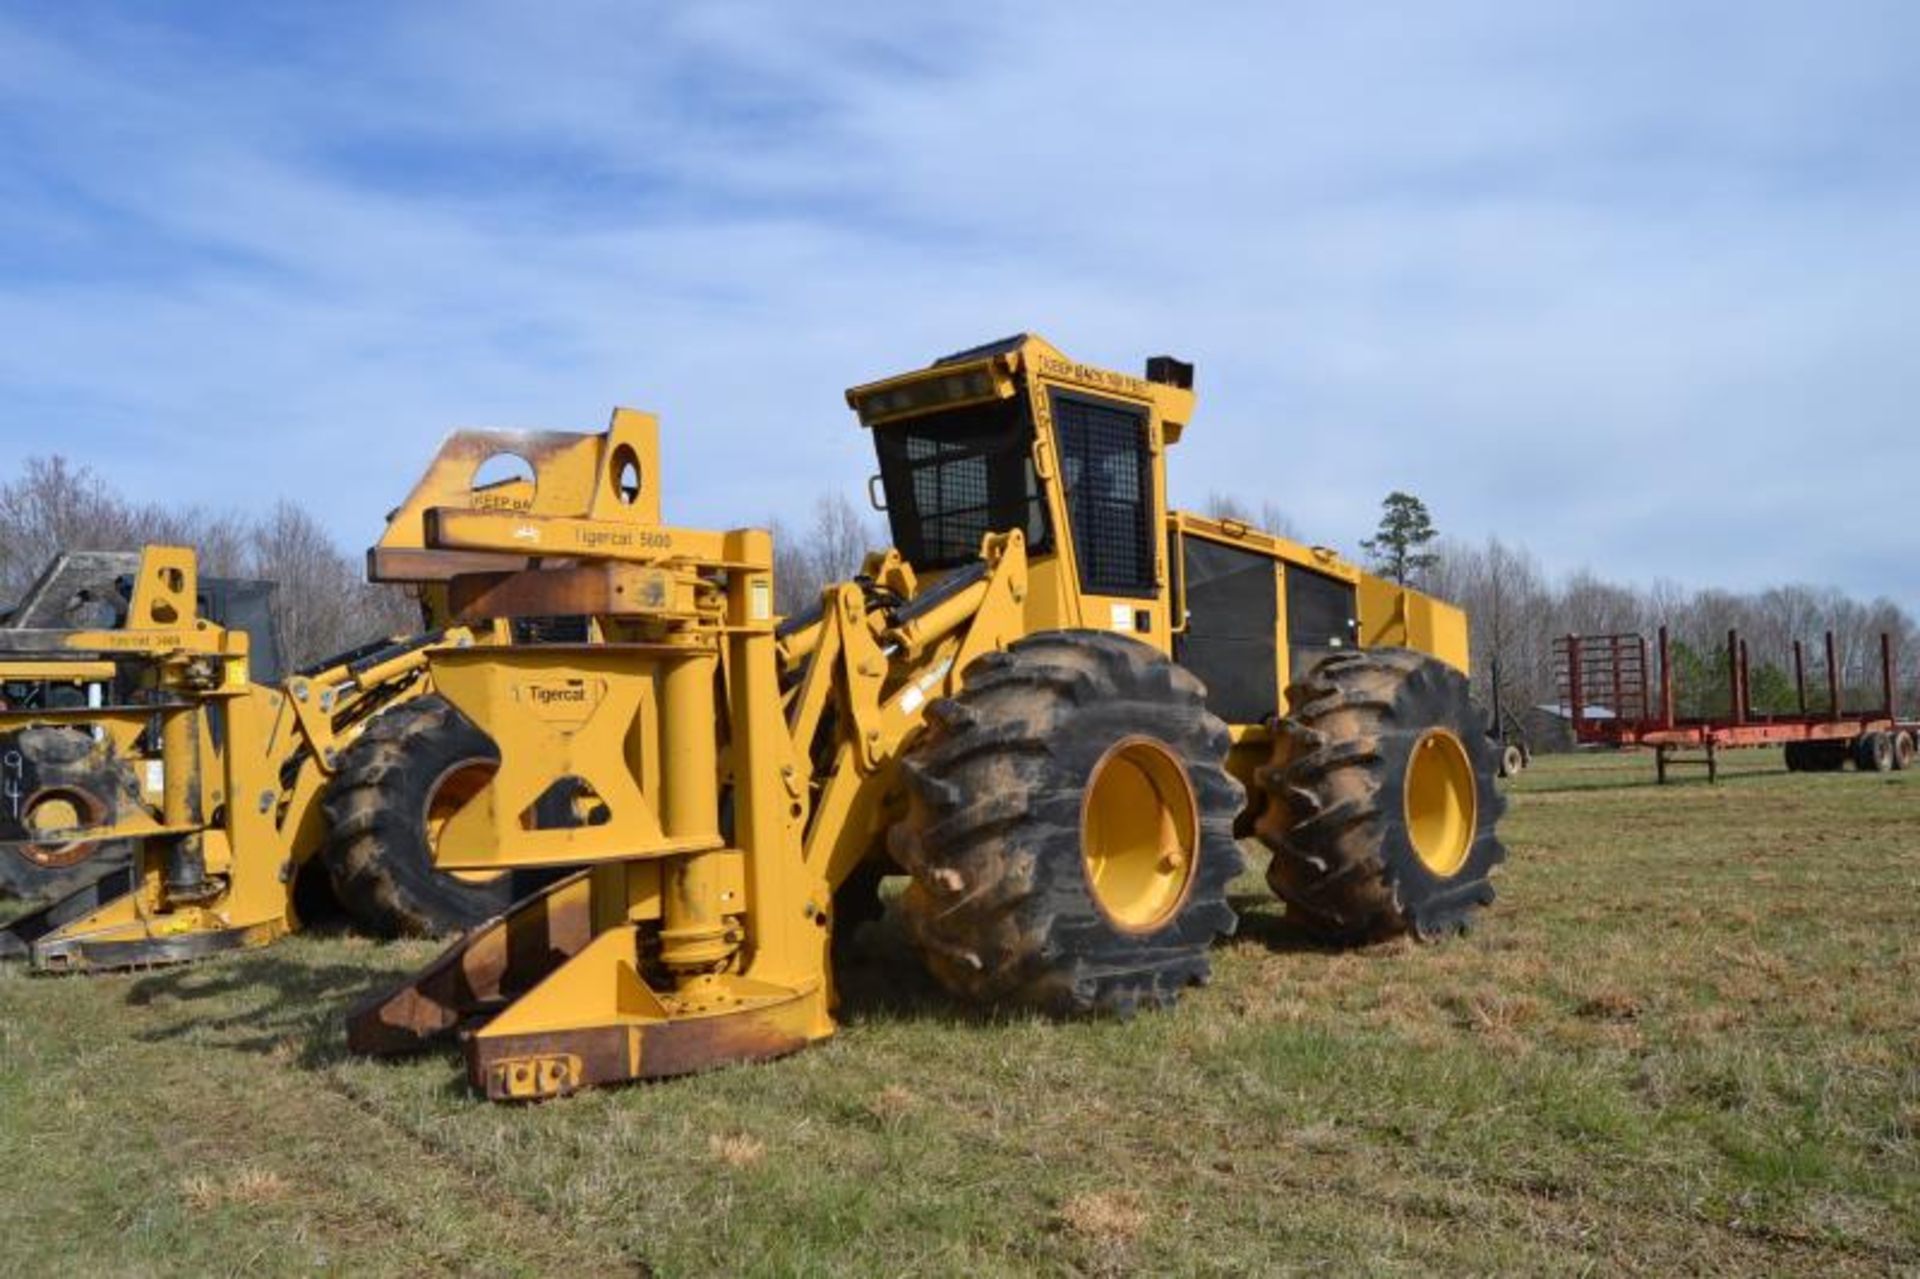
830	549
1510	612
53	506
1226	506
322	606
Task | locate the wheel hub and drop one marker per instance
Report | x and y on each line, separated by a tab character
1442	802
447	796
1138	831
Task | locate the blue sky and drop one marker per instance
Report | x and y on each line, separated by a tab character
1633	284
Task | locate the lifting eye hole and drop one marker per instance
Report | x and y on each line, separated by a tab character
626	475
507	477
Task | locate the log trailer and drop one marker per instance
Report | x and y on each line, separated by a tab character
1607	693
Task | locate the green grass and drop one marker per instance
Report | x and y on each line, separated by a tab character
1684	1040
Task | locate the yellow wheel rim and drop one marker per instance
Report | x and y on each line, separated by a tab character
1139	832
1442	802
448	794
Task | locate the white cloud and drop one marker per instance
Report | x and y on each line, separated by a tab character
1629	284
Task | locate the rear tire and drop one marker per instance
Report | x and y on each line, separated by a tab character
1069	829
379	852
1824	756
1354	857
1873	752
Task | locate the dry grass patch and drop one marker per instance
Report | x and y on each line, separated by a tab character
892	1104
1114	1218
243	1186
737	1150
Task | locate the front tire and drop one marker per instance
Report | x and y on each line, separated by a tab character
411	767
1069	829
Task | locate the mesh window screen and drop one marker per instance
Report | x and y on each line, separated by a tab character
954	477
1104	461
1232	603
1320	617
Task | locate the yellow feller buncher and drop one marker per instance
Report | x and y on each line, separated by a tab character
1052	704
157	766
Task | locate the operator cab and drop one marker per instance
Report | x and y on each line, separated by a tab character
1014	436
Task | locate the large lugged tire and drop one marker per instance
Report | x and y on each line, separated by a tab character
1069	829
400	778
59	778
1384	807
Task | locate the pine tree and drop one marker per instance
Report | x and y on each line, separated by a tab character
1398	548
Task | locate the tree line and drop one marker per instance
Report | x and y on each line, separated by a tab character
1515	609
323	604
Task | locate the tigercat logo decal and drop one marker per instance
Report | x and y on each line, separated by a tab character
565	703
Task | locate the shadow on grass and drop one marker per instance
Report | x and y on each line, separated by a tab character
881	978
291	1006
1264	926
265	1003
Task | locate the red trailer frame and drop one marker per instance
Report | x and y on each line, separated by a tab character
1611	673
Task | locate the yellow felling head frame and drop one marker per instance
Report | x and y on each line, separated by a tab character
684	733
221	822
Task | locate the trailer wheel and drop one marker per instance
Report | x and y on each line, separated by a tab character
1873	752
396	785
1796	757
1069	829
1382	807
1903	749
1513	761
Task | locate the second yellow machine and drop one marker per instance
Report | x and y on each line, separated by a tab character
1055	704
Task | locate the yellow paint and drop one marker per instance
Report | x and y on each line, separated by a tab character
1441	802
252	800
685	704
1139	828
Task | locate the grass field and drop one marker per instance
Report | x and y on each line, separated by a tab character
1684	1040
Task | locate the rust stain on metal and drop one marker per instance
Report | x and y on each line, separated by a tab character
605	1054
493	964
562	592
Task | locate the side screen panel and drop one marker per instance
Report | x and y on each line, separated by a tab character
1232	599
1321	616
